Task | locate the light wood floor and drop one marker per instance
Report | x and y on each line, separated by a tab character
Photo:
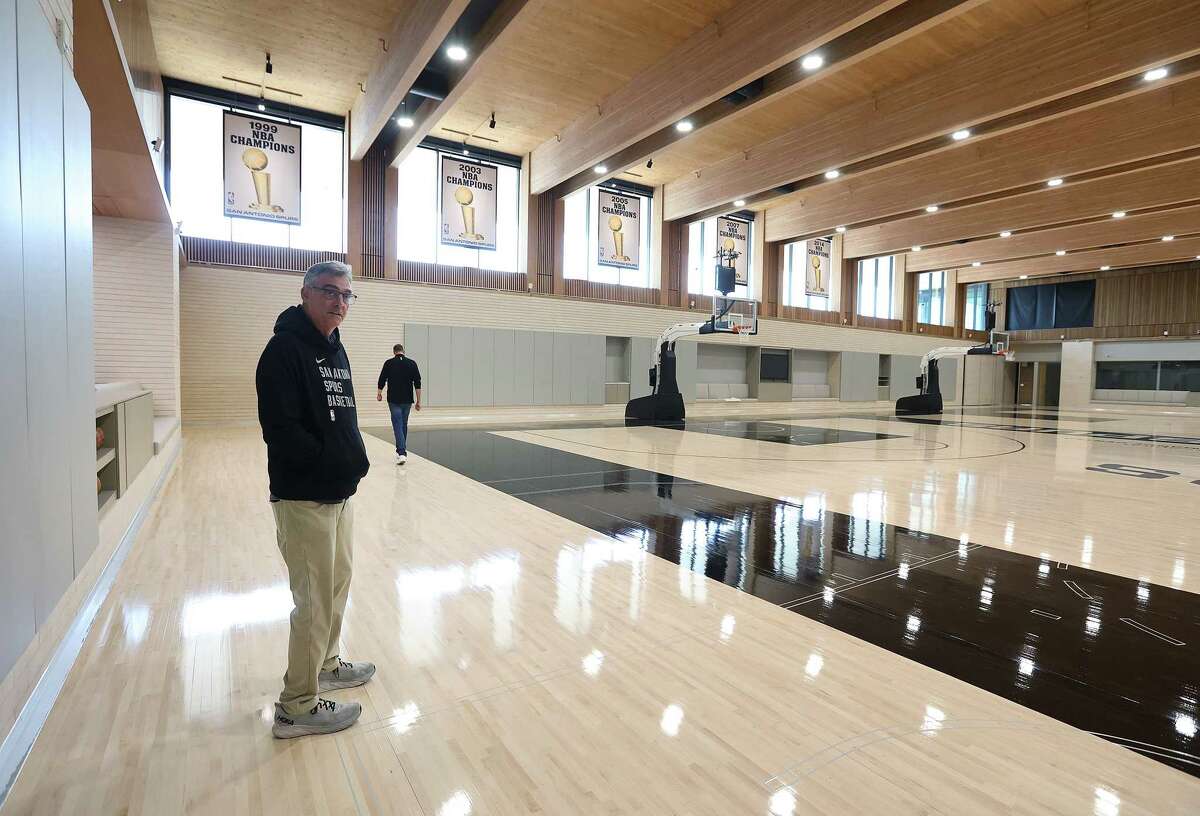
529	665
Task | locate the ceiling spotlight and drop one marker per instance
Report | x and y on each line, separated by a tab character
649	163
1024	277
1155	74
932	208
1005	234
916	249
492	121
684	126
741	202
832	174
812	62
270	69
261	105
1105	268
1168	237
404	121
839	229
466	152
959	135
600	169
456	53
1054	182
976	263
1060	252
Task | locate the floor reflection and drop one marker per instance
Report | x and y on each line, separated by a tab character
1100	652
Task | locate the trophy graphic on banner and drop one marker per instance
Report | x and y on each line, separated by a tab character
464	197
256	162
615	224
816	287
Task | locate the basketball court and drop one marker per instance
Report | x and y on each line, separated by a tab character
808	418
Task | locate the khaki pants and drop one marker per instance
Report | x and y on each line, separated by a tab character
317	544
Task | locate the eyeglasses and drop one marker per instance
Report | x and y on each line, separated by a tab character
333	293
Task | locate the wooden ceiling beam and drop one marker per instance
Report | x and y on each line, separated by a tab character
1134	227
1083	49
415	38
875	35
1155	123
499	26
1156	186
1141	254
746	42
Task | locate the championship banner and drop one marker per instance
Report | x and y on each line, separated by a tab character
262	169
619	228
735	235
816	267
468	204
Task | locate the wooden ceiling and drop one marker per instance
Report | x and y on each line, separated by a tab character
320	49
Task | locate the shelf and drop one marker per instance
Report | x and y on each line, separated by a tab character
104	499
104	456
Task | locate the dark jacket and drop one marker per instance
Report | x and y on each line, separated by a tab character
402	376
307	413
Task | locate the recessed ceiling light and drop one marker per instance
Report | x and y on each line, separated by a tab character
932	208
404	121
1060	252
741	202
1023	277
916	249
976	263
832	174
843	229
1105	268
600	169
1119	214
812	62
1154	74
262	106
456	53
466	152
1168	237
1054	182
1005	234
685	126
959	135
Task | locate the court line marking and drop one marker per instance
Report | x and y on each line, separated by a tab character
1078	590
872	579
1046	614
1144	628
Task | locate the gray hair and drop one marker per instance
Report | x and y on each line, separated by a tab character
335	268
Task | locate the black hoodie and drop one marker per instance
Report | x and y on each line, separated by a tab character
307	413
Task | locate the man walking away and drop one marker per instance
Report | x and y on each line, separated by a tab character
402	378
315	459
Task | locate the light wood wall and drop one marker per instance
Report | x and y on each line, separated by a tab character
1141	302
137	307
227	315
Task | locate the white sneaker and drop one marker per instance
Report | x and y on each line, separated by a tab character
401	458
326	717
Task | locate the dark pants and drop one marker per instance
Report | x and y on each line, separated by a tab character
400	424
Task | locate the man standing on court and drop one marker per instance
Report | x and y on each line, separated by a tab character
315	459
402	378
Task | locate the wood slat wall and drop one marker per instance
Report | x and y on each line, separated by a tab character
610	291
675	238
934	330
419	272
1140	302
375	262
255	256
546	251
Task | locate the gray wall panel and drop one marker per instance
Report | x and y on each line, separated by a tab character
948	379
616	359
720	363
859	376
595	369
435	371
81	373
543	368
18	548
580	360
810	367
523	368
685	369
40	78
482	392
903	382
503	367
462	357
639	366
562	369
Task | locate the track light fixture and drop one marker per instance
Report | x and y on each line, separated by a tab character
649	163
492	121
270	67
